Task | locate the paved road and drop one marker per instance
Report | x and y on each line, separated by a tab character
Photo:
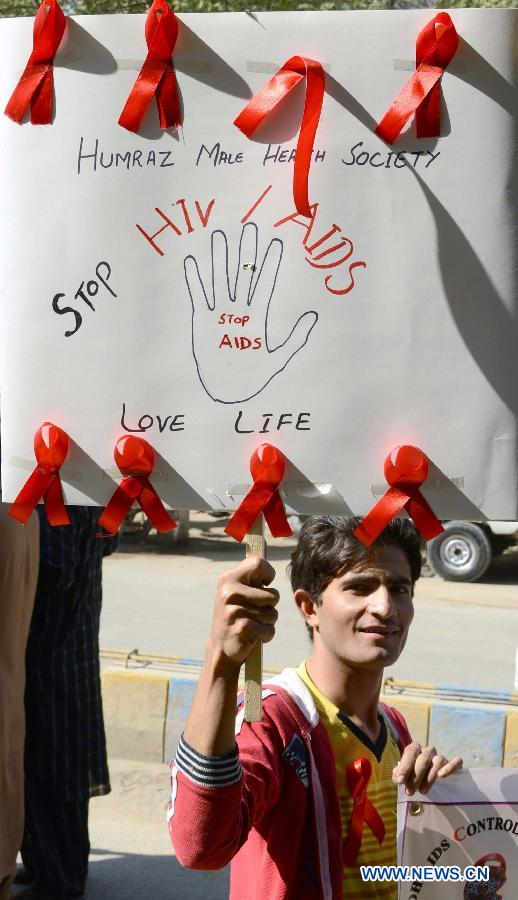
158	599
131	855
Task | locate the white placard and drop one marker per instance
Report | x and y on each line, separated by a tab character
469	819
108	276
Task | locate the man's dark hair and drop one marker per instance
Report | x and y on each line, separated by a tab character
327	546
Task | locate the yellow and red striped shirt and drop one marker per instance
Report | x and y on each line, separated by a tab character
349	743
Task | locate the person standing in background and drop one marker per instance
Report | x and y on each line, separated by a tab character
19	555
65	751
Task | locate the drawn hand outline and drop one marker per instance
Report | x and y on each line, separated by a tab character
245	373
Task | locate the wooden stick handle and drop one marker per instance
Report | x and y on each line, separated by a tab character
255	546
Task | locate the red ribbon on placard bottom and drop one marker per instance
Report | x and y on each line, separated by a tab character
135	459
267	465
406	469
358	775
157	76
436	46
50	450
270	96
36	83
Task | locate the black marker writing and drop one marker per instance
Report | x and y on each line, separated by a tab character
273	422
390	159
218	156
145	422
84	292
96	159
277	155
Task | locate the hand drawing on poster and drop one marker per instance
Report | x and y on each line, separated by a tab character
241	315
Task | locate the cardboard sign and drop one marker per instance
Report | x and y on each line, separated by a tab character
470	819
162	284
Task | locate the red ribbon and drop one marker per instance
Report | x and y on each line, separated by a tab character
50	450
267	466
35	85
436	46
406	469
157	76
270	96
136	459
358	775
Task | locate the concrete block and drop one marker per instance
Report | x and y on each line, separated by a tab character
476	734
511	741
416	714
180	697
135	709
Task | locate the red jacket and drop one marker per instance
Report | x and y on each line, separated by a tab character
270	806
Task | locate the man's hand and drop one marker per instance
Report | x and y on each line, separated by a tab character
419	768
244	613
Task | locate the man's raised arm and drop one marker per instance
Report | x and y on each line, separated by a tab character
244	613
211	809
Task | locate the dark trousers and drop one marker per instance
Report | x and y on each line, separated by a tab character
56	844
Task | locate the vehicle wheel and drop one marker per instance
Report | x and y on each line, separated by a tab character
462	553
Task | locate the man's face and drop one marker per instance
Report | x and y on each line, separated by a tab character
366	611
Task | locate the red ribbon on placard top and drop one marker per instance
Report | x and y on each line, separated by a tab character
50	450
267	465
406	469
135	459
270	96
436	46
36	83
358	775
157	76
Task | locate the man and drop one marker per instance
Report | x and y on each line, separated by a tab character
65	751
308	795
19	555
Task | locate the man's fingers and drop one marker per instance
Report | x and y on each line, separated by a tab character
246	263
264	615
420	767
253	570
235	593
199	299
250	631
267	277
454	765
405	767
220	284
426	767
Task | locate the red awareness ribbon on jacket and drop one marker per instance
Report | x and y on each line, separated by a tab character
358	775
436	46
50	450
267	465
36	83
406	469
135	459
270	96
157	76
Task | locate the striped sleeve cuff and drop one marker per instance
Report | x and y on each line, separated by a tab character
209	771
